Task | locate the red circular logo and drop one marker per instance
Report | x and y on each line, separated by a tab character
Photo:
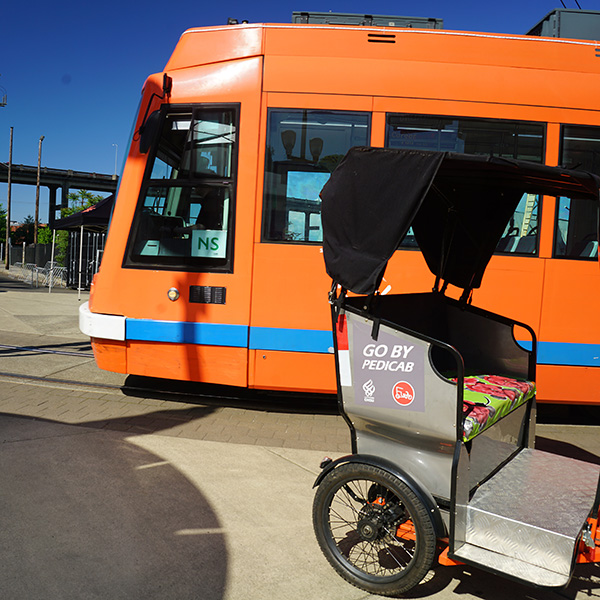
403	393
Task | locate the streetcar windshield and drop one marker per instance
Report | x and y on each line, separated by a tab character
185	211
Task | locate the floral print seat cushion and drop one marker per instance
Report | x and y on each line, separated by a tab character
488	398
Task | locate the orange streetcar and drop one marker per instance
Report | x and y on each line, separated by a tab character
213	268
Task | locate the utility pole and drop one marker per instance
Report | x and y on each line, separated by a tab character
37	193
7	255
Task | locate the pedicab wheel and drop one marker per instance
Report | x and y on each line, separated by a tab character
373	529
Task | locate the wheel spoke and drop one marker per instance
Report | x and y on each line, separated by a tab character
346	501
335	515
354	496
369	532
373	557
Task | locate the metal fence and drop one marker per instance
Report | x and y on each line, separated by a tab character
37	254
90	253
50	275
33	263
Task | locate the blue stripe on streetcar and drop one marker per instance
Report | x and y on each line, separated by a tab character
312	340
291	340
215	334
566	354
185	332
576	355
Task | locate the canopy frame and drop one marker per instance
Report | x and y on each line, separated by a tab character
457	204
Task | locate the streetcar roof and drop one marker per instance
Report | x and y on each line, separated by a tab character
214	44
457	204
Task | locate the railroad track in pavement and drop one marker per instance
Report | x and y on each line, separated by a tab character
189	392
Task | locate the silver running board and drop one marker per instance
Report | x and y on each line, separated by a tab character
527	520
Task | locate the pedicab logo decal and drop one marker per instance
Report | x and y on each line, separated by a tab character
369	389
403	393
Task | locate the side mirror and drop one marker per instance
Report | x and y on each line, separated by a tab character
148	131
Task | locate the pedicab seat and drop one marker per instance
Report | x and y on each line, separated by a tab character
488	398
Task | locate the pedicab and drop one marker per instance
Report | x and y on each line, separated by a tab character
439	395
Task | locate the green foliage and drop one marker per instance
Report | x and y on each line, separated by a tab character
23	233
80	201
44	235
61	247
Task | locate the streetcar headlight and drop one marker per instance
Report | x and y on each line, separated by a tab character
173	294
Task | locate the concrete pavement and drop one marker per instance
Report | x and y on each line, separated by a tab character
115	494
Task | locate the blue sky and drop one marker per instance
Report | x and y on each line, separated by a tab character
73	71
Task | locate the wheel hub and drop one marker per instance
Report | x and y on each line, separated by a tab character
369	529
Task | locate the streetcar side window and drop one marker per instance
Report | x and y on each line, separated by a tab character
576	230
184	218
303	149
521	233
524	140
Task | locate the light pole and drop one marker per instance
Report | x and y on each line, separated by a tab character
37	193
2	96
116	152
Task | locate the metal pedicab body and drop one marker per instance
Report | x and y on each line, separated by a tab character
438	394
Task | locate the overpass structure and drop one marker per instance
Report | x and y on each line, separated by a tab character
55	179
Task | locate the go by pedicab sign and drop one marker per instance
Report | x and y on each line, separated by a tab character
387	372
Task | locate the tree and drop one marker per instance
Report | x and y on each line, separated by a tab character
80	200
44	235
24	233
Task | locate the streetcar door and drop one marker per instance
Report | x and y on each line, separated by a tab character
291	347
187	231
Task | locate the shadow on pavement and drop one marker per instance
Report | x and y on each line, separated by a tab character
469	582
93	516
153	422
233	397
565	449
83	349
10	281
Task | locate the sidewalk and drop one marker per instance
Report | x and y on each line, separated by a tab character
109	495
35	310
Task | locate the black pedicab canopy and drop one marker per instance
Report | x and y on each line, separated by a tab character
457	204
